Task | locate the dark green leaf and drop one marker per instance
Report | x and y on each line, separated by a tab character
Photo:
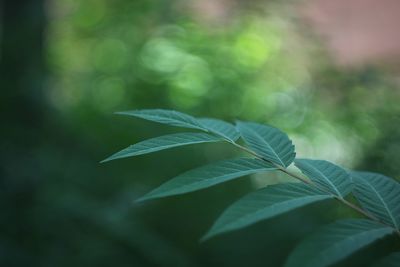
170	117
221	128
163	142
392	260
268	142
265	203
379	195
209	175
326	175
335	242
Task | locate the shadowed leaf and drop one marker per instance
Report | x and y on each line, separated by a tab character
335	242
379	195
209	175
265	203
391	260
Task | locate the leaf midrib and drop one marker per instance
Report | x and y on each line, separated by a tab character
384	203
367	232
242	173
154	117
171	145
265	142
326	178
258	211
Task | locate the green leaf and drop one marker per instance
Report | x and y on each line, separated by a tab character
170	117
392	260
326	175
265	203
268	142
379	195
163	142
221	128
209	175
335	242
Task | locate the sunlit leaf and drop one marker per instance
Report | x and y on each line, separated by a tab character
163	142
326	175
220	128
335	242
209	175
379	195
265	203
268	142
170	117
391	260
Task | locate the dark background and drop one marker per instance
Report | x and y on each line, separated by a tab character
67	65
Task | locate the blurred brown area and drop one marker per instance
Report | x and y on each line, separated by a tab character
357	32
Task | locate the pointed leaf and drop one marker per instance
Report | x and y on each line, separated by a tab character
392	260
221	128
209	175
266	203
335	242
327	175
170	117
268	142
163	142
379	195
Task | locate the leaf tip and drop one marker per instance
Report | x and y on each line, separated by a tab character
148	196
112	157
125	112
206	237
104	161
141	199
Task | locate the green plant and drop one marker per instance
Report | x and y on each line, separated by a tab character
272	150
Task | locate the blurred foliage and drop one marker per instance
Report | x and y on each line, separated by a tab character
61	208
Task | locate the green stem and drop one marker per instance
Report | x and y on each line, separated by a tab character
359	210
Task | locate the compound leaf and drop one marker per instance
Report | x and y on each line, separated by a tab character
265	203
209	175
379	195
335	242
268	142
163	142
326	175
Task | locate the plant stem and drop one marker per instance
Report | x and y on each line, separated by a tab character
300	178
358	209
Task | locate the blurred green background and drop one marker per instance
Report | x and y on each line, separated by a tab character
67	65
